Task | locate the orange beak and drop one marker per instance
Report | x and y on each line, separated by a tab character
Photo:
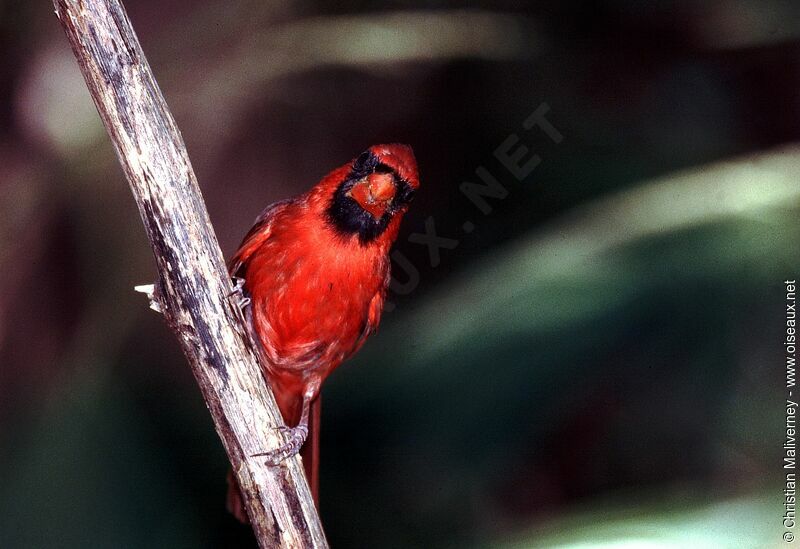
374	193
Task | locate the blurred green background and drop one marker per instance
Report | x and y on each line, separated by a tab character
599	363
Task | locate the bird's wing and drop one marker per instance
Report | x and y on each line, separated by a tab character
256	236
373	317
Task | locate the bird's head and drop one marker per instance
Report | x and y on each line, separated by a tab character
372	191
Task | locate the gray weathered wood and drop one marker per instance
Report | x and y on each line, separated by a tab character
193	287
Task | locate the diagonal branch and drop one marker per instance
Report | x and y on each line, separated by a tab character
193	289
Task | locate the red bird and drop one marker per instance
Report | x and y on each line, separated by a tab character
316	270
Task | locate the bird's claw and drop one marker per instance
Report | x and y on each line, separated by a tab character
296	437
237	294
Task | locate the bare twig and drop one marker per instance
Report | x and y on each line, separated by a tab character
193	289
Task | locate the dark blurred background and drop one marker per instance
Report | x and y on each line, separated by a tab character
598	363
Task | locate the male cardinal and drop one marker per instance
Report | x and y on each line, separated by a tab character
316	270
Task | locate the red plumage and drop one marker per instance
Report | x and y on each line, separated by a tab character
316	270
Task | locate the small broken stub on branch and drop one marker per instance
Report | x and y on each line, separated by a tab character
152	296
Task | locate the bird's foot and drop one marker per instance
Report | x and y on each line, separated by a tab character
296	437
237	295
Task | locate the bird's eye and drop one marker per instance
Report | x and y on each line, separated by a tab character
362	159
408	193
364	164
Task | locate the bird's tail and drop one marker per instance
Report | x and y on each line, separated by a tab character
310	450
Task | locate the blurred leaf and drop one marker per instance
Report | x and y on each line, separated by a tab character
661	525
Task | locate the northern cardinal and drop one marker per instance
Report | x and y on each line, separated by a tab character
316	270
